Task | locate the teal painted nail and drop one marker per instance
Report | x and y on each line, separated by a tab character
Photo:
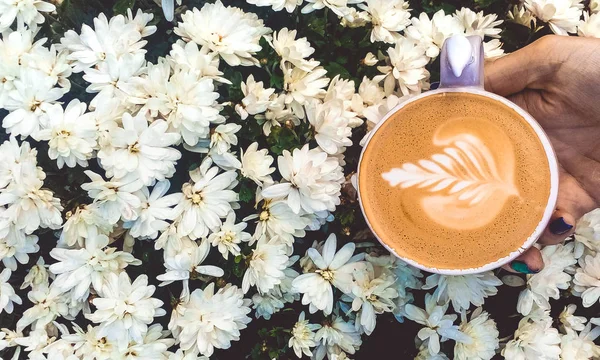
521	267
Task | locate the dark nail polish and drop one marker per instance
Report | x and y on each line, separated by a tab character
521	267
434	86
559	226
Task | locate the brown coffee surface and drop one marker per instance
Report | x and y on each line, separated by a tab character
454	181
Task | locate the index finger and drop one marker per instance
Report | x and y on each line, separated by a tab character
529	67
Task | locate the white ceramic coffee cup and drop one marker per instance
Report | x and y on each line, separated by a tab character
461	63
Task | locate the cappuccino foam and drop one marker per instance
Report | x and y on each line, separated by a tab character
454	181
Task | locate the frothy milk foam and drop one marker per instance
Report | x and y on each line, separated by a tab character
454	181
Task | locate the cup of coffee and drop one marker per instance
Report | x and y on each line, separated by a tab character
458	180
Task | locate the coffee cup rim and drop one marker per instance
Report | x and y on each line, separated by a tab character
548	211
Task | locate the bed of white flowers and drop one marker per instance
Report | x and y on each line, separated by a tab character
178	185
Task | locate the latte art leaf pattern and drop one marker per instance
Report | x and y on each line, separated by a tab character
466	170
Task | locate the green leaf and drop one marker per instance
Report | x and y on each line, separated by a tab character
346	216
237	259
334	69
246	192
484	3
283	138
121	6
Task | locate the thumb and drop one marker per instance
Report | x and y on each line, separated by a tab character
530	262
529	67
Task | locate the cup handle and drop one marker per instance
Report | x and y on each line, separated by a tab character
461	63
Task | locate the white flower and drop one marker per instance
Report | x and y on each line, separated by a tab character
26	12
51	62
168	7
187	100
223	137
339	7
580	346
436	323
31	207
207	199
336	336
432	33
88	342
70	134
37	276
331	269
48	304
265	305
408	60
314	180
484	337
522	16
7	293
154	345
332	132
546	284
19	163
84	221
228	31
303	336
302	86
587	234
292	50
562	15
141	21
278	5
344	91
355	18
16	247
155	208
125	309
265	267
229	236
115	199
142	150
478	23
276	218
35	342
371	296
277	113
369	94
212	320
256	165
424	354
78	269
388	17
201	61
463	290
108	39
569	320
33	90
115	77
186	263
493	49
534	340
407	279
587	280
256	98
589	26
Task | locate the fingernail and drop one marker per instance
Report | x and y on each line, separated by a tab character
521	267
559	226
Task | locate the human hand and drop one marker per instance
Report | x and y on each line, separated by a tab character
557	80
